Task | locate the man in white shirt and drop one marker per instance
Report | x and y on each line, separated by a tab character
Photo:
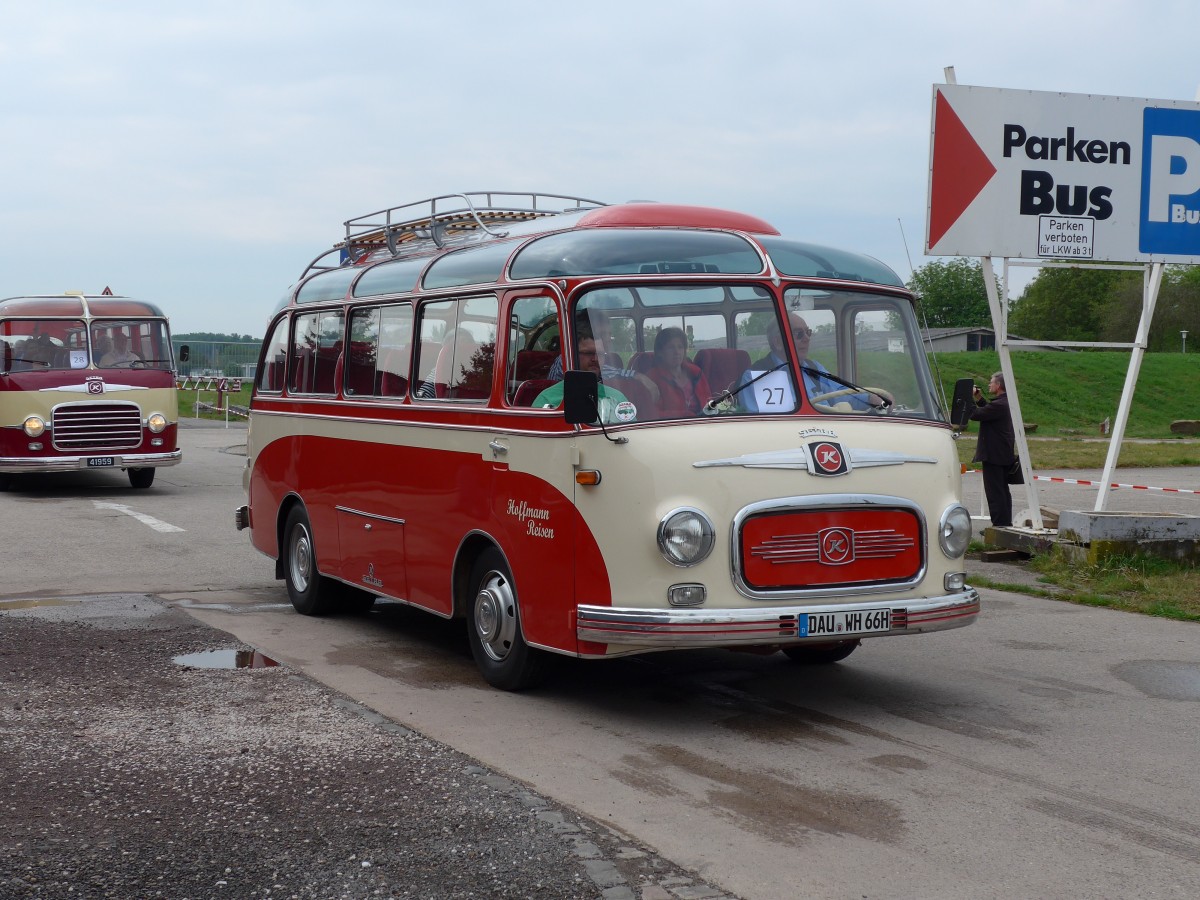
120	354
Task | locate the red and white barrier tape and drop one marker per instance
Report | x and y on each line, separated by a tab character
1115	484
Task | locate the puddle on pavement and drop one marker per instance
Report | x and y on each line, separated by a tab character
226	659
33	604
1162	679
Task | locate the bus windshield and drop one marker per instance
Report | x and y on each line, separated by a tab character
724	349
55	344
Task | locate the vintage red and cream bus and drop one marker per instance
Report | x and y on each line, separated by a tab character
597	430
86	382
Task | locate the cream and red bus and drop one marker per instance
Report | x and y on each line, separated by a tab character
86	382
402	443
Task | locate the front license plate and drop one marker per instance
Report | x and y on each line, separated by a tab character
97	462
840	624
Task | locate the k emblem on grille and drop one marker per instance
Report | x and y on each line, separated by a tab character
828	458
836	546
95	386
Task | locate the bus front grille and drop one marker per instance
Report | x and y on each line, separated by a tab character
97	426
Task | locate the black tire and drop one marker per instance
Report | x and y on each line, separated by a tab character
141	478
310	592
820	654
6	481
494	627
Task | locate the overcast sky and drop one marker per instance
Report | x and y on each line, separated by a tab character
200	155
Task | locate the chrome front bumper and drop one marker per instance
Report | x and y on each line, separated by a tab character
25	464
683	628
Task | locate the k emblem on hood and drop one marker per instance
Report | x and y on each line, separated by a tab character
828	458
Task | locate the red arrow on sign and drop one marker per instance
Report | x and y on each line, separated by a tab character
960	170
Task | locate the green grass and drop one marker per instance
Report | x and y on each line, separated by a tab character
1156	587
1070	394
187	403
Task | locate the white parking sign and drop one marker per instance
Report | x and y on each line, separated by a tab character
1039	175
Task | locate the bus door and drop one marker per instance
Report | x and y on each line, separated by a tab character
371	522
533	472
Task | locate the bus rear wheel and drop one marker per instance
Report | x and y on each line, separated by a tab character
494	627
310	592
820	654
141	478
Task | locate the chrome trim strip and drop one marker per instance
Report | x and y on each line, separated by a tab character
367	515
798	459
808	504
684	628
18	464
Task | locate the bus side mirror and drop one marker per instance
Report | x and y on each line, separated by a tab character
184	353
962	404
581	397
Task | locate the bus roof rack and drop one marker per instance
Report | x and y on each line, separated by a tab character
430	224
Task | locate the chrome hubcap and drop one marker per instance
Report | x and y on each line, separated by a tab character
495	616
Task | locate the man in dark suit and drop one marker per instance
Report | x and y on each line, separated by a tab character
995	448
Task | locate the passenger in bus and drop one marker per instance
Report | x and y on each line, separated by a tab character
598	324
815	382
120	355
34	353
683	389
591	351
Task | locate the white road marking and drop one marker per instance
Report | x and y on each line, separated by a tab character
156	524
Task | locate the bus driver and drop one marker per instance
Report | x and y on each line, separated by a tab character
591	351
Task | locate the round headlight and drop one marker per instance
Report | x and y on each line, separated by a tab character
685	536
954	531
35	426
156	423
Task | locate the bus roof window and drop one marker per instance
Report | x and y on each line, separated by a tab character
478	265
326	286
398	277
798	258
619	251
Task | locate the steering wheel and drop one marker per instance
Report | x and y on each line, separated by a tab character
848	391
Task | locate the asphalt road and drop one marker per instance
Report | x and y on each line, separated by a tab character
1047	750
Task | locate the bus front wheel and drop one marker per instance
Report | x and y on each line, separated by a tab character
309	591
141	478
494	627
820	654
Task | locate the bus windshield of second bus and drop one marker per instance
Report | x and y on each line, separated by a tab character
49	344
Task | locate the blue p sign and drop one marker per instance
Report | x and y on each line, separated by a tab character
1170	216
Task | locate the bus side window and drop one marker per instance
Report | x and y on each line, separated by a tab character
316	345
395	350
529	357
271	377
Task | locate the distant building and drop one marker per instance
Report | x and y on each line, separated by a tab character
957	340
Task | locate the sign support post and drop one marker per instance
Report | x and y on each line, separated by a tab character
1151	282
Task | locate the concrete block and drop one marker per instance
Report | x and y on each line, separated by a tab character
1084	527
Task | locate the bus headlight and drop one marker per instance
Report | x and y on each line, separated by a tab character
157	423
686	536
954	531
35	426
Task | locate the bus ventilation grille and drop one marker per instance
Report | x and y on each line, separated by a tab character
99	426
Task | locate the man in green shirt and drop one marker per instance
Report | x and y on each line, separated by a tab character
614	406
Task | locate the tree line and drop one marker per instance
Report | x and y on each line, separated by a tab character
1063	304
215	337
